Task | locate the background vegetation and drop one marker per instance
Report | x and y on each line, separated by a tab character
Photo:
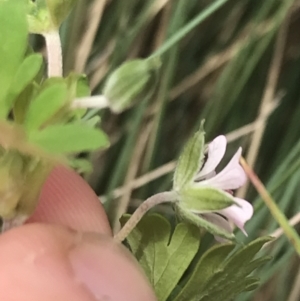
239	68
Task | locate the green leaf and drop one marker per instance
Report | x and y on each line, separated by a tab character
199	222
13	34
22	102
190	160
218	277
38	17
24	76
45	105
202	198
163	259
92	122
59	10
78	86
69	138
81	165
82	86
47	15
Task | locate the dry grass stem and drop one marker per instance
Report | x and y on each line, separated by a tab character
84	48
131	174
267	100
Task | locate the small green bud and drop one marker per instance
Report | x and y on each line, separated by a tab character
203	199
132	81
190	160
47	15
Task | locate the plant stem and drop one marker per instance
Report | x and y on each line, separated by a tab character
99	102
288	230
188	27
54	53
163	197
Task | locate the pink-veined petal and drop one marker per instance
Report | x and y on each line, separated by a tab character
216	151
231	177
238	215
219	221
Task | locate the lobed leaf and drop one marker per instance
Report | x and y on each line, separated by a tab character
45	105
13	34
163	258
26	73
216	278
69	138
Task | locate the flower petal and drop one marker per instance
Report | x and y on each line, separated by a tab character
219	221
238	215
231	177
216	151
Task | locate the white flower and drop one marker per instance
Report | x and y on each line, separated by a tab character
230	178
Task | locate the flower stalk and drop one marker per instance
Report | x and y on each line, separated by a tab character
54	53
289	231
163	197
98	102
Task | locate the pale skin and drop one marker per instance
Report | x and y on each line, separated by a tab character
66	251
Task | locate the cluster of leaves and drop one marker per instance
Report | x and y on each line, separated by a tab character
177	272
37	123
34	109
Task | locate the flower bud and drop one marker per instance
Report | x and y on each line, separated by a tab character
132	81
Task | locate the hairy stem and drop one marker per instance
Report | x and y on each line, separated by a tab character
163	197
99	102
54	53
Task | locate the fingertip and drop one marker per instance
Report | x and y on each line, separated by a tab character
48	262
66	199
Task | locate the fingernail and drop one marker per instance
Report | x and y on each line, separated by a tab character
107	270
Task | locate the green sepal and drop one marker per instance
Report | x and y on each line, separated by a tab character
199	198
132	81
221	276
197	220
190	160
13	34
163	256
68	138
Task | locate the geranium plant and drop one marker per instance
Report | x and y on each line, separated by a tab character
44	123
